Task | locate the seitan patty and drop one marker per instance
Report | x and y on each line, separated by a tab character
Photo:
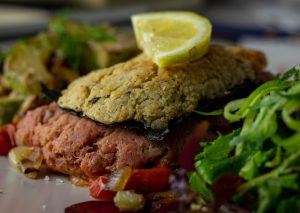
139	90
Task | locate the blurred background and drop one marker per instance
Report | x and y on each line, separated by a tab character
270	25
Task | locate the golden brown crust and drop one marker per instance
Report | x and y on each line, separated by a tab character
257	59
139	90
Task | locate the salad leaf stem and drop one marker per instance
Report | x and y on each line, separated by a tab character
264	152
281	170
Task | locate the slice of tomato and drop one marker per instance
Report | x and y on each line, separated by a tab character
98	191
7	138
149	180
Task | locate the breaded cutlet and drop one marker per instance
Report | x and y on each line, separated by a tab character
141	91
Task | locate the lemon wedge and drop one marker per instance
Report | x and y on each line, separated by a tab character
172	37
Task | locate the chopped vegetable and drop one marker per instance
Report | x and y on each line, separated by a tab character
57	57
263	157
129	201
140	180
98	189
25	66
118	179
7	138
26	159
149	180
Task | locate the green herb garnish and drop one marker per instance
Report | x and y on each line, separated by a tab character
73	42
265	152
72	50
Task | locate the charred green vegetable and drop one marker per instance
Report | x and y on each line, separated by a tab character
25	66
57	57
86	47
8	107
265	152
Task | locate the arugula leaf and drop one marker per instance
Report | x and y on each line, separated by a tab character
294	91
272	191
291	204
219	149
287	181
285	168
288	111
210	170
289	144
276	160
251	169
268	197
216	112
263	126
200	186
292	73
237	110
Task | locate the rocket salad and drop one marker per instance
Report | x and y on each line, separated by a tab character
258	164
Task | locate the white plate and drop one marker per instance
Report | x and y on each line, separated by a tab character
19	194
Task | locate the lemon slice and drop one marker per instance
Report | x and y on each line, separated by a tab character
172	37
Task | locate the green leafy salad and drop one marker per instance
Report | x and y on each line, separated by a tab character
261	160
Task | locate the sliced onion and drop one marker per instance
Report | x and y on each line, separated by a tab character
129	201
27	160
77	181
118	179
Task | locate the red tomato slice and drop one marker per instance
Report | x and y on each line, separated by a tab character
149	180
98	191
7	138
